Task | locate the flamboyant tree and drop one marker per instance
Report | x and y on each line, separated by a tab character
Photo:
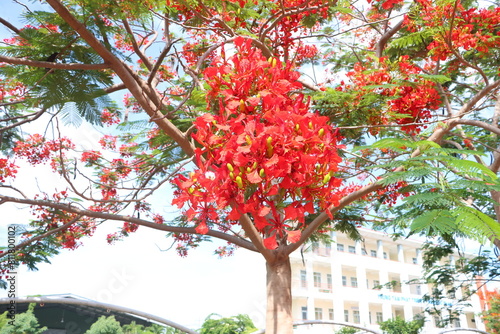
275	121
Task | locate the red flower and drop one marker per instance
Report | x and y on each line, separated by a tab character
262	145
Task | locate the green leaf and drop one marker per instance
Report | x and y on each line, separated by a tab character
475	224
436	78
441	220
392	143
472	168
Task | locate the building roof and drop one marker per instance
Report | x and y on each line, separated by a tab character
71	313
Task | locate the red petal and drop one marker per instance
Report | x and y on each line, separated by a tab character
264	211
202	228
293	236
254	177
291	212
270	243
272	161
260	223
234	214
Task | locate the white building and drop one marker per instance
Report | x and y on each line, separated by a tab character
338	283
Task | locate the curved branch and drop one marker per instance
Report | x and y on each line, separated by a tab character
137	50
145	95
48	64
10	26
484	125
323	216
436	136
160	59
27	120
385	38
110	216
41	236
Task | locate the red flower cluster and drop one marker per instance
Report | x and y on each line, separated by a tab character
50	219
38	150
90	157
7	169
109	118
415	101
264	153
388	4
471	29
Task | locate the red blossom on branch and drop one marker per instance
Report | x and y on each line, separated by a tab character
263	154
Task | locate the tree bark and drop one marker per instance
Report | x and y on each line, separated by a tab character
279	296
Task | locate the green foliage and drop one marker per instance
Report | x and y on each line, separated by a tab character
24	323
401	326
3	319
439	180
134	328
347	330
105	325
233	325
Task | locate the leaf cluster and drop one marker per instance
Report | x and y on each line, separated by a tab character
240	324
24	323
446	192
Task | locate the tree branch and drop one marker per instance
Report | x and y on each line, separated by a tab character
10	26
48	64
146	97
116	217
379	49
484	125
27	120
42	236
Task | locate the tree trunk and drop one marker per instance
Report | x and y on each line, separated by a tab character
496	197
279	296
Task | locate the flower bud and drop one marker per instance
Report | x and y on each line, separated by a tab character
239	182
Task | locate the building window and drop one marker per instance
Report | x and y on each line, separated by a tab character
340	247
317	280
344	280
303	279
328	249
380	318
318	313
352	249
346	315
354	282
363	251
418	288
315	247
376	284
330	314
385	255
356	317
414	260
304	312
370	317
329	281
456	323
373	253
